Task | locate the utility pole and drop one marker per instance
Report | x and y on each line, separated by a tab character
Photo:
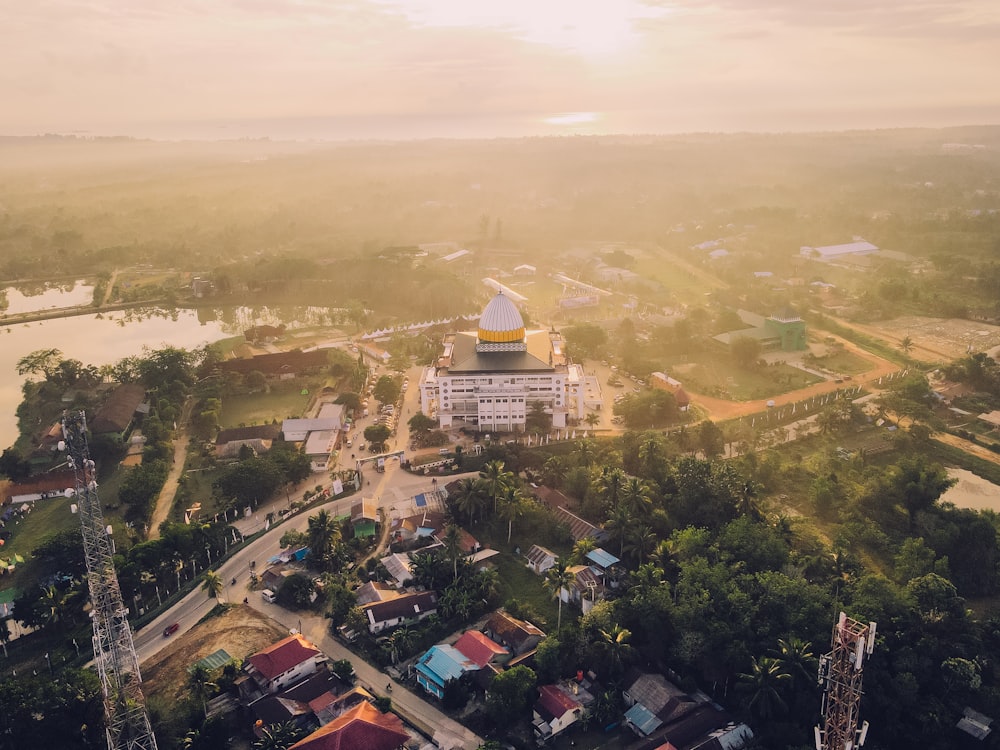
128	726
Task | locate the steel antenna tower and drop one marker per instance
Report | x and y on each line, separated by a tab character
840	674
128	726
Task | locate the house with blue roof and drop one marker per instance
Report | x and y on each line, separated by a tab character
606	566
440	665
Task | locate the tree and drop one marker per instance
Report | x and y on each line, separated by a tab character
279	736
13	464
387	389
906	345
211	583
40	361
349	400
641	541
324	534
495	477
297	591
710	439
471	497
511	506
614	644
400	640
745	351
592	419
762	683
420	422
556	579
452	542
377	434
201	684
510	694
537	419
250	482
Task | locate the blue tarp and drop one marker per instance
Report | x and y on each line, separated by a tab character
420	500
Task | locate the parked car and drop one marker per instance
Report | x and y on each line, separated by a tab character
171	629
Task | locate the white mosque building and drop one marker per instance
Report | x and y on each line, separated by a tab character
490	378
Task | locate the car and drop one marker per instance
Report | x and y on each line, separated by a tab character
171	629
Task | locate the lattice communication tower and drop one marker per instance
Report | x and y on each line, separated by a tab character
840	674
128	726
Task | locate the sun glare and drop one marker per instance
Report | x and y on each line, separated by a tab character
572	118
591	29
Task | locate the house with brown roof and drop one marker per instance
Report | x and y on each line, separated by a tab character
284	663
52	484
403	610
653	701
586	590
363	727
279	365
520	636
115	416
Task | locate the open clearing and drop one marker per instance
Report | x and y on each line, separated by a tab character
946	339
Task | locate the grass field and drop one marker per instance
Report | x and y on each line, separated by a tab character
262	408
713	373
844	363
517	582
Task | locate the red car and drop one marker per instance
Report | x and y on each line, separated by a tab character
171	629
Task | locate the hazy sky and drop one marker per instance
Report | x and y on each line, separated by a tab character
349	68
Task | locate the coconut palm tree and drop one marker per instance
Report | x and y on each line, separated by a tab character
906	345
495	477
762	683
614	643
610	484
641	541
797	661
452	542
200	682
400	640
511	506
635	495
592	419
211	583
617	525
471	497
585	452
556	579
279	736
582	548
323	533
554	471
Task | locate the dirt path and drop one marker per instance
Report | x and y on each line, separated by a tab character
973	449
165	500
721	409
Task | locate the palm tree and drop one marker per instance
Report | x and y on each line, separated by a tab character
200	682
554	471
323	533
748	492
426	569
635	495
617	526
452	541
487	582
582	548
610	484
470	498
400	640
641	540
512	506
906	345
279	736
617	650
585	452
211	583
797	661
762	682
558	578
651	456
494	477
592	419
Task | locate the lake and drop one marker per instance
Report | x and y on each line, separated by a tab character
972	491
46	296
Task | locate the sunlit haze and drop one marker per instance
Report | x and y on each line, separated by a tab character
421	68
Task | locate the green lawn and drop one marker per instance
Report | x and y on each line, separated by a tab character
844	362
715	374
281	402
517	582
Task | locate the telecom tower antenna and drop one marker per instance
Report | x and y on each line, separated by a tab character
128	726
840	674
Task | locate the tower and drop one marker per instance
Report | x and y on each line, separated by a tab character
128	725
840	674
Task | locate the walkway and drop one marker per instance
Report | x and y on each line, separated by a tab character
165	500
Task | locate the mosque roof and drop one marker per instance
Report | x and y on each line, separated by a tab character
501	321
466	358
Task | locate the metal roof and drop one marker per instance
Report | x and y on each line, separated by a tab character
642	719
602	558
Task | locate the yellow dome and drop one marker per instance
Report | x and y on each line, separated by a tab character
501	323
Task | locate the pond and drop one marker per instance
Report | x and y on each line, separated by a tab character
971	491
45	296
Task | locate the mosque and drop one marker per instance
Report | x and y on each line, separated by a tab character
489	379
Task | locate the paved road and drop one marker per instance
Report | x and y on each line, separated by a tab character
393	488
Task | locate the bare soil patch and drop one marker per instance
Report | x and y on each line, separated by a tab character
240	630
949	339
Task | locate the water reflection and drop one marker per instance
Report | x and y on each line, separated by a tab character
32	297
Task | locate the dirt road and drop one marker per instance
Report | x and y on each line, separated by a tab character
165	500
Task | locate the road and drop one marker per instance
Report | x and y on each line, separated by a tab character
165	500
393	488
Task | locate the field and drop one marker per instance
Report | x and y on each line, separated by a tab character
936	338
713	374
262	408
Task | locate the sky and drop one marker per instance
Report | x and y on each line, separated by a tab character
336	69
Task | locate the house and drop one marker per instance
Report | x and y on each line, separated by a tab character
279	365
587	588
284	663
539	559
520	636
364	517
40	487
666	383
403	610
259	438
441	664
829	253
991	418
363	727
328	707
554	711
705	727
653	702
481	649
319	447
295	703
297	430
559	504
115	416
399	566
373	591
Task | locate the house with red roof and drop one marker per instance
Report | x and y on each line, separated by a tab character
480	649
363	727
284	663
554	711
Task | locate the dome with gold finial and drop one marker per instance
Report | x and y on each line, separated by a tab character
501	322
